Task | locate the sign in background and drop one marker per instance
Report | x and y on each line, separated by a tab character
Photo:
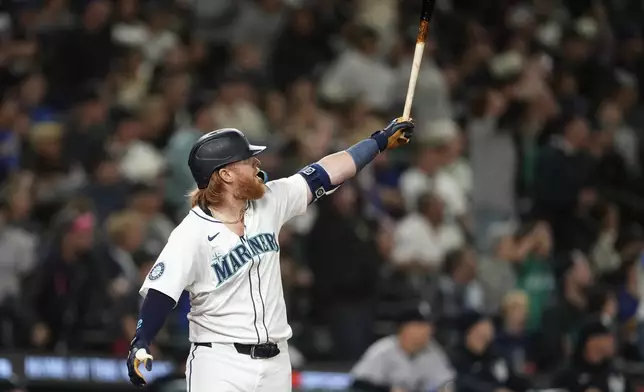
50	373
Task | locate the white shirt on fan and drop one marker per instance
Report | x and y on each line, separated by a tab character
234	282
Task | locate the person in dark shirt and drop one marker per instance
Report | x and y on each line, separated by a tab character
346	274
67	292
562	320
479	368
562	188
591	368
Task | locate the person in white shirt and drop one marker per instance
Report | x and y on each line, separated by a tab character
426	175
225	254
423	238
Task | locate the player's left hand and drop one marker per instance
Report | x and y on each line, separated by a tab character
139	354
396	134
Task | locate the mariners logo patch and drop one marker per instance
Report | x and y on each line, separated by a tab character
156	271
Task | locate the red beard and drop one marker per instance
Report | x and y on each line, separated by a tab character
250	189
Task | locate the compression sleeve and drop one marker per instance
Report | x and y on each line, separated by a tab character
154	311
363	152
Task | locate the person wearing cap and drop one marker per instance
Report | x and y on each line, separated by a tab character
591	368
409	361
479	367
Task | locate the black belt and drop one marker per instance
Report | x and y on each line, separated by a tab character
256	351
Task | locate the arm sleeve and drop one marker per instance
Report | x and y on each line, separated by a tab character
289	197
174	270
155	309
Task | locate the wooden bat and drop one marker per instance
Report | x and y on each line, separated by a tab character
423	30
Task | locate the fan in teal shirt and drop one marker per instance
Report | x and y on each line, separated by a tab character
535	277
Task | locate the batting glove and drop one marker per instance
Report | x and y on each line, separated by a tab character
396	134
139	354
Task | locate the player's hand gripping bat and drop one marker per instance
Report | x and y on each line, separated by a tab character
423	30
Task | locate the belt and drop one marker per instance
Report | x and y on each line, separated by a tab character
256	351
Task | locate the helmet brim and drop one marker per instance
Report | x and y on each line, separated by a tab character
254	150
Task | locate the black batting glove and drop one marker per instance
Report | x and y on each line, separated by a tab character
139	354
396	134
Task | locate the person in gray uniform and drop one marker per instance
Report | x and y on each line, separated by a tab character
409	361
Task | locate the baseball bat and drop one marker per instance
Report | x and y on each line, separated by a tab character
425	16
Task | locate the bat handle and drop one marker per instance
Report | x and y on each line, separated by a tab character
413	79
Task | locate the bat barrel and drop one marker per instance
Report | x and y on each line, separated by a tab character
427	10
423	30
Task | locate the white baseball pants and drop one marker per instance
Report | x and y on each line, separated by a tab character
221	368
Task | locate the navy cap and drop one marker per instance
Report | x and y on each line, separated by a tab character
418	311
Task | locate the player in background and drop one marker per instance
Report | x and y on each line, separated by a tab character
225	254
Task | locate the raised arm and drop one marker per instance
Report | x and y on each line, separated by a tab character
326	175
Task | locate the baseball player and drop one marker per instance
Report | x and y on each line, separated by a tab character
225	253
409	361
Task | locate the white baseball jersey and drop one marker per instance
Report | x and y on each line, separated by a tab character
234	282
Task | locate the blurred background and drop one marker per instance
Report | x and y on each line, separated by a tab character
521	197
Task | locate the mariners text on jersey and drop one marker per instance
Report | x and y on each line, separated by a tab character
232	262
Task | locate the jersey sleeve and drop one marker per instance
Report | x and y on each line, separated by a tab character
175	267
372	366
289	197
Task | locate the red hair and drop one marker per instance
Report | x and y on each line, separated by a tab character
212	195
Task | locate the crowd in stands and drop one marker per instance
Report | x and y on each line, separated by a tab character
520	197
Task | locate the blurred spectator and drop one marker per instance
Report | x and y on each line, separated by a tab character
408	361
106	189
179	180
87	128
32	93
456	165
58	176
490	149
158	38
126	309
147	201
426	175
9	139
423	238
477	365
344	289
85	52
260	23
534	272
358	74
605	256
17	259
235	108
512	339
458	292
66	293
591	367
18	254
561	321
139	161
125	234
563	191
302	35
496	271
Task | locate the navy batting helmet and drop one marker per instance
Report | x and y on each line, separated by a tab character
217	149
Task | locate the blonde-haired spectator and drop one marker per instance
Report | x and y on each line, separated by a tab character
512	339
125	231
514	309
